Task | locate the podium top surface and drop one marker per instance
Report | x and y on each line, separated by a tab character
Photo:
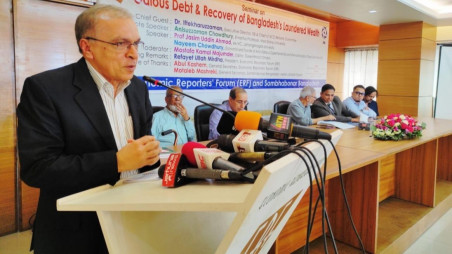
152	196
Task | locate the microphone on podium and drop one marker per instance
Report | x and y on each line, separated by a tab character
175	173
279	126
252	156
225	143
209	158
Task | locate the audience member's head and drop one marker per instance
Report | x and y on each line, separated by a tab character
370	93
307	95
327	93
173	99
238	99
358	93
108	38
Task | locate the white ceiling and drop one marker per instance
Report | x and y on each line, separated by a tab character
388	11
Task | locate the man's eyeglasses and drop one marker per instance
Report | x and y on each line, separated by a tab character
121	45
359	93
176	96
242	102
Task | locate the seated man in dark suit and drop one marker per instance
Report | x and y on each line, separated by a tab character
328	104
238	99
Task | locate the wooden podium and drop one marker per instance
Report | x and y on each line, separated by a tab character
203	216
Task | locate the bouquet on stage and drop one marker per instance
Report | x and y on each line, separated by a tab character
397	127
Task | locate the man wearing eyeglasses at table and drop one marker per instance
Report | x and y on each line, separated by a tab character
238	100
173	117
84	125
356	104
328	104
300	109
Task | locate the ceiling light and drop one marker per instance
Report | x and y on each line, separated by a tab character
438	9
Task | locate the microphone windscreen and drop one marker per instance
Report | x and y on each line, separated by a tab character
226	123
247	120
187	150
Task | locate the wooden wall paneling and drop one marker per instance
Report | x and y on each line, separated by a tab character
387	177
356	34
332	35
361	187
416	174
428	49
293	235
406	66
429	31
444	155
401	31
403	49
397	104
336	55
398	77
335	65
44	39
8	219
335	76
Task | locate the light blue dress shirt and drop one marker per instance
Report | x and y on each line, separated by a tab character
299	113
358	107
166	120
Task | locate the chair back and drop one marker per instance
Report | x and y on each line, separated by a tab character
281	107
156	109
202	116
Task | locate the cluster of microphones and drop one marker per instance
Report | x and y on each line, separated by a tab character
240	149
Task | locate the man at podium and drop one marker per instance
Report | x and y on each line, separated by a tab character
85	125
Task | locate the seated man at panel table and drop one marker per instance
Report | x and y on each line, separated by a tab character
328	104
369	95
356	104
300	109
238	99
173	117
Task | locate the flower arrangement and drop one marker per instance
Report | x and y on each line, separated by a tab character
397	127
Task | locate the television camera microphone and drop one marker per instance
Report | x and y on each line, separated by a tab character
279	126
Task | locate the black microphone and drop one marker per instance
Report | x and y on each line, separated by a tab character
209	158
252	156
164	133
216	174
226	124
175	173
156	82
280	126
224	143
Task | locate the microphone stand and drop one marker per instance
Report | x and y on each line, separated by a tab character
156	82
164	133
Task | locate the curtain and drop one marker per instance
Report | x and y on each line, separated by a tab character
360	68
